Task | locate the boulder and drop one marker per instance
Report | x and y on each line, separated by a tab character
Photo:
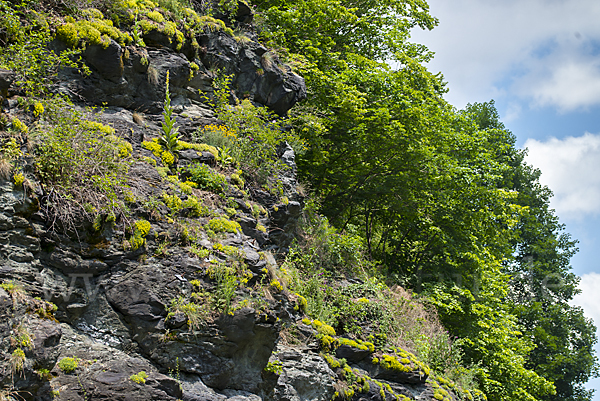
6	79
304	376
107	61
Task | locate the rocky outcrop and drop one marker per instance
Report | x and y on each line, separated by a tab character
114	307
91	317
304	375
134	77
123	316
6	79
257	73
352	371
104	372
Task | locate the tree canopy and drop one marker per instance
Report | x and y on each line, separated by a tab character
442	197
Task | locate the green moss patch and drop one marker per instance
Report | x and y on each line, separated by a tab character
92	30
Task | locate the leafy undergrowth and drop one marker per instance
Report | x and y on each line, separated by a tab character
351	304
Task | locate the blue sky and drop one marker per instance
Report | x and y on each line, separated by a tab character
540	61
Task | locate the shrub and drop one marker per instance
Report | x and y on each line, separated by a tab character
237	180
124	148
149	160
154	147
21	337
197	209
227	283
274	367
80	164
38	109
167	158
19	126
173	202
197	314
17	361
252	133
92	31
200	253
141	228
301	303
217	135
14	288
10	150
25	38
19	179
275	284
155	16
206	178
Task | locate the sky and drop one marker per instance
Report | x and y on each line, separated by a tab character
540	61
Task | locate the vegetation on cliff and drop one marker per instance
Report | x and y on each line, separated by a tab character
407	193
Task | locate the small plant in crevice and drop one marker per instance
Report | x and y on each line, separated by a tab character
68	364
274	367
201	253
21	337
139	378
227	283
17	361
197	314
207	178
241	37
10	152
15	289
222	224
176	374
141	228
162	250
136	33
252	135
43	309
43	374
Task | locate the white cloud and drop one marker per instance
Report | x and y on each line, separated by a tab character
571	169
571	86
589	299
512	112
542	50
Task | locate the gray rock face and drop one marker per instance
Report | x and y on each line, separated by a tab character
114	307
134	78
105	373
113	304
257	73
108	62
305	376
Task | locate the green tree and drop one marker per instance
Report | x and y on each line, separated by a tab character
440	196
542	283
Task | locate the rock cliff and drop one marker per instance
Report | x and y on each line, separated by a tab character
95	315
